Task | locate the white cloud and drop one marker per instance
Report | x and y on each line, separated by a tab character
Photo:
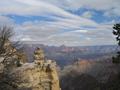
32	7
81	31
26	38
66	27
51	34
38	8
87	14
6	21
103	5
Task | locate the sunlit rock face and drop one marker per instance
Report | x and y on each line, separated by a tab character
11	58
39	75
16	74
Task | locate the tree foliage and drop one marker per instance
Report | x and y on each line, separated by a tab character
116	32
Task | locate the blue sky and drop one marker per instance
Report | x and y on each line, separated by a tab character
58	22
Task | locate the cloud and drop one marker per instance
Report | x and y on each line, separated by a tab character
65	27
100	5
50	34
33	7
6	21
38	8
87	14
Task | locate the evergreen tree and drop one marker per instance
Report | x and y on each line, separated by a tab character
116	32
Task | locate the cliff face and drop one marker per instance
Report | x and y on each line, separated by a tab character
36	77
39	75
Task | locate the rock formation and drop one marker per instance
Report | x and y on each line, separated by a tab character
11	58
39	75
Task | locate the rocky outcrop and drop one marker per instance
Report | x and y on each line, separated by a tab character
39	75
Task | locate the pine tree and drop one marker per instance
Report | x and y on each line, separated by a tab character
116	32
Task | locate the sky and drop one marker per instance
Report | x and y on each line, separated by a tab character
61	22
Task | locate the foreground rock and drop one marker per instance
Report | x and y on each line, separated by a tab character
39	75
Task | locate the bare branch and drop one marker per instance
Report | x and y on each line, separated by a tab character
5	34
